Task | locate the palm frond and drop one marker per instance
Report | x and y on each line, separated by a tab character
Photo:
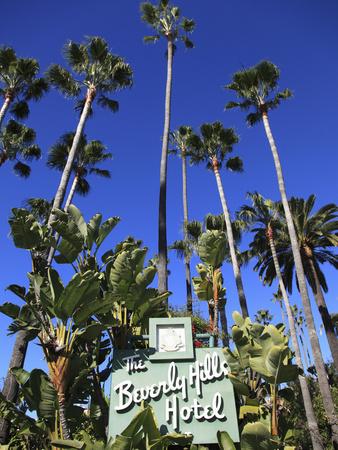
20	110
235	164
101	172
83	187
36	89
61	79
21	169
108	103
7	58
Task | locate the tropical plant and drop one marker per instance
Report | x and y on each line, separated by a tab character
19	83
89	155
256	88
263	317
101	73
142	432
17	142
260	362
166	21
180	141
212	249
73	321
263	220
213	147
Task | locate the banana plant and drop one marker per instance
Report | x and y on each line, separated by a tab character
260	363
80	241
212	250
142	432
72	321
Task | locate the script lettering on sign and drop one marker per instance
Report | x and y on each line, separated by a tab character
211	369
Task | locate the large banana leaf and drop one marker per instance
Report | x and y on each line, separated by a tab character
212	248
81	290
38	391
256	436
26	231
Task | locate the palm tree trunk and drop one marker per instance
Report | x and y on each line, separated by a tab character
4	108
60	193
224	324
185	222
317	355
310	415
162	215
305	350
231	241
325	315
215	295
71	192
68	202
11	388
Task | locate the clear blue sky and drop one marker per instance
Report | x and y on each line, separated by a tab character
300	36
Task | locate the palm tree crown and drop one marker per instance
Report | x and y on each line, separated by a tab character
18	141
89	155
256	87
317	233
19	81
215	144
181	139
100	71
166	21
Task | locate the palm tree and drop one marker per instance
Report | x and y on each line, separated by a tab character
89	155
166	21
180	142
213	147
101	73
263	316
262	219
317	234
19	83
255	88
18	142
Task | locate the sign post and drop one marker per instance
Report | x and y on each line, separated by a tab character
187	388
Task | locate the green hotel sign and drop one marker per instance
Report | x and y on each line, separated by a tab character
189	392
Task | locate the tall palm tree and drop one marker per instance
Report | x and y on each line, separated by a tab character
180	141
19	83
213	147
17	143
89	155
262	219
256	88
100	73
316	233
166	21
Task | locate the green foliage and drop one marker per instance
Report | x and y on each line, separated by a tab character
255	88
166	21
18	142
100	71
20	81
88	156
260	362
142	432
215	144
